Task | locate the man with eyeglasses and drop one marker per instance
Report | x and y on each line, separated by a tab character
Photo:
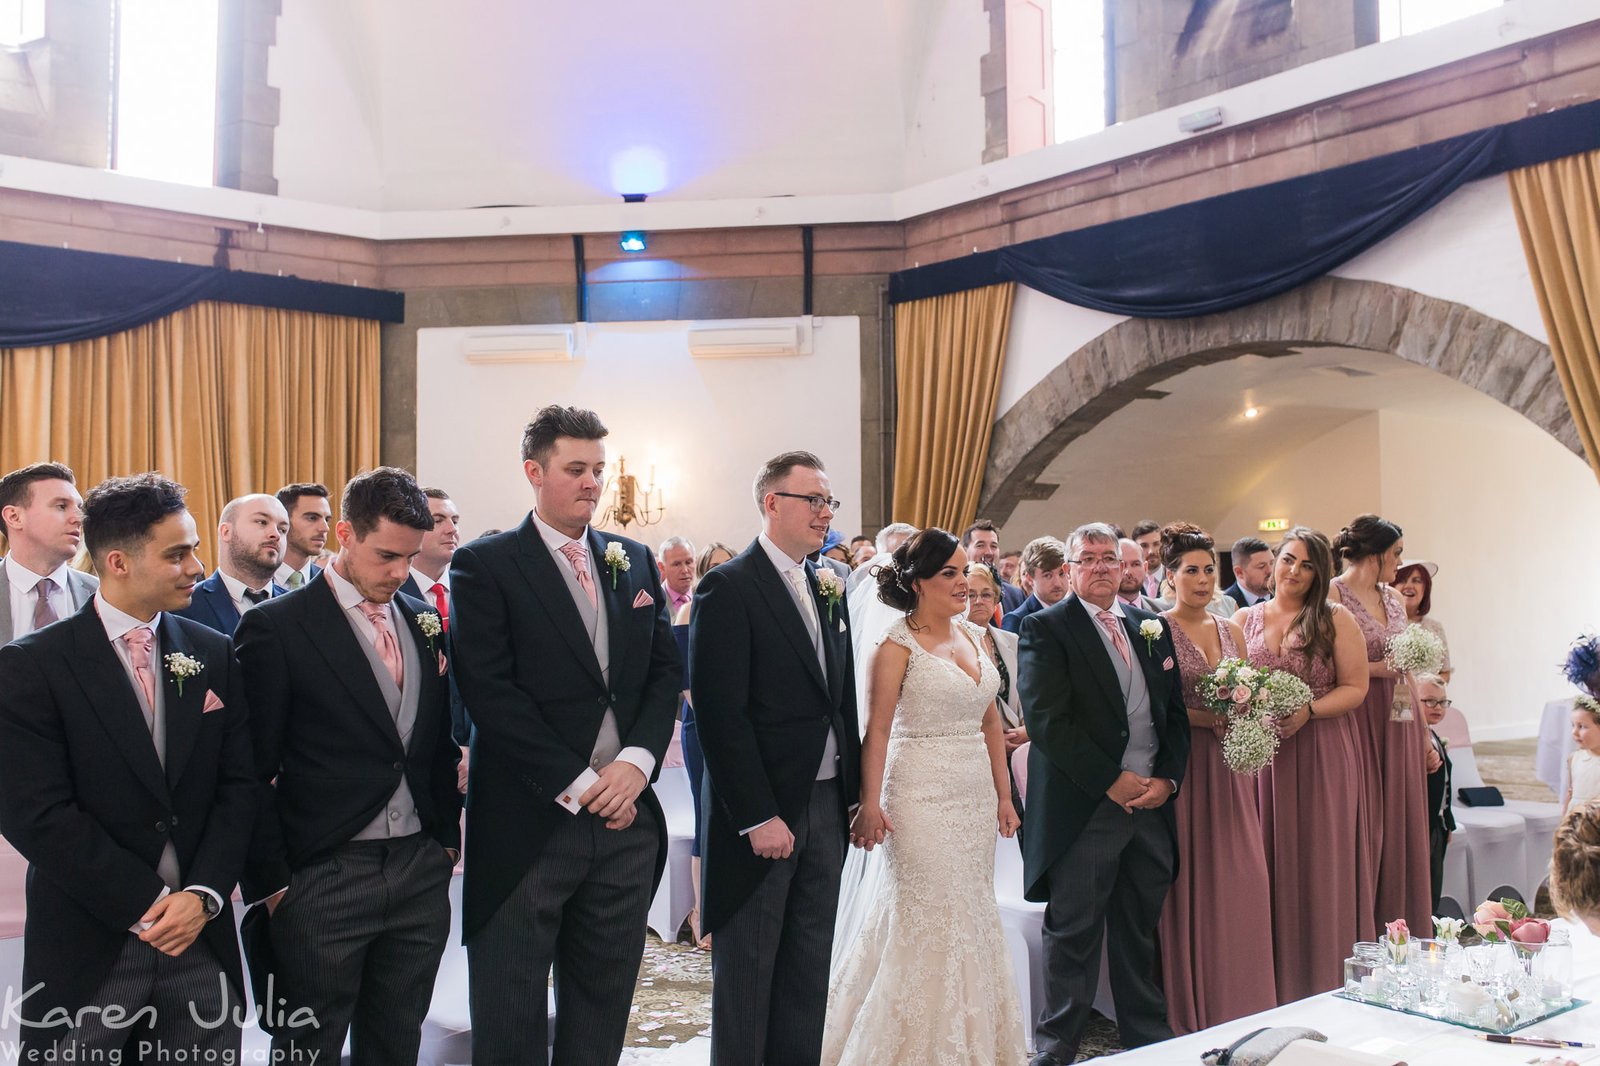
1103	700
1441	822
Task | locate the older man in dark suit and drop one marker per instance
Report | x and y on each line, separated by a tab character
565	655
1103	700
360	824
125	782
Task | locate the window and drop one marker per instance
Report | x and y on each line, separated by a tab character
1078	29
21	22
165	99
1396	18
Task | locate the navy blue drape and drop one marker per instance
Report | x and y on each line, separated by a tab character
1231	250
55	295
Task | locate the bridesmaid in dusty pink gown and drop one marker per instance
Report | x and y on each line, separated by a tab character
1216	959
1394	753
1309	795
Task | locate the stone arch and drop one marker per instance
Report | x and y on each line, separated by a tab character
1125	362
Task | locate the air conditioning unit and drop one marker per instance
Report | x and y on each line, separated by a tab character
524	344
728	340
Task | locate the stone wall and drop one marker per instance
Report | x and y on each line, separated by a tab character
55	93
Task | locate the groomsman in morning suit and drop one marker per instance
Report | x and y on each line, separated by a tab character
566	656
310	519
773	681
41	515
360	821
249	547
1104	706
125	782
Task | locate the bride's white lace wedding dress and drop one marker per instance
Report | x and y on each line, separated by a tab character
928	979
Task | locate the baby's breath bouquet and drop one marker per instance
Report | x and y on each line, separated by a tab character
1234	690
1414	650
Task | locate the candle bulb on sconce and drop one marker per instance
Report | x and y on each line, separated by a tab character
630	502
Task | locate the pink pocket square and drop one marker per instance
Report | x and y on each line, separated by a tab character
1167	663
644	599
211	704
444	664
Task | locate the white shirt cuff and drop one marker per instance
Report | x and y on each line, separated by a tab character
638	757
139	927
580	785
752	829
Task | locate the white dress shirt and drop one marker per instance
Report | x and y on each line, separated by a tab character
23	601
119	624
236	590
425	584
554	539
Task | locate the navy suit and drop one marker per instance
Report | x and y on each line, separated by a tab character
213	607
1236	594
1011	597
1012	621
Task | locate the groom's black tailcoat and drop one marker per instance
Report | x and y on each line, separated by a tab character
763	708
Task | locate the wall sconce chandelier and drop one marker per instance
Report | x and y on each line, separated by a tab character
633	503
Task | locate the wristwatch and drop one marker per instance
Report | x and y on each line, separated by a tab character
208	903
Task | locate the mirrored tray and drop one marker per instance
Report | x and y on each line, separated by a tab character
1517	1026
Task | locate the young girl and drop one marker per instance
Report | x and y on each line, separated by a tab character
1583	765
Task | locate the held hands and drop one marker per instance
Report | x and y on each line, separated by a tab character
772	840
1159	792
612	797
1290	724
176	919
1128	787
1431	760
869	827
1015	738
461	770
1220	726
1008	820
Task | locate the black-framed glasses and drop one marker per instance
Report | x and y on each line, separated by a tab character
816	503
1437	703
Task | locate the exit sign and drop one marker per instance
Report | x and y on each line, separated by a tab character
1272	525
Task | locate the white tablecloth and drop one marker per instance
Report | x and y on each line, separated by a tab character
1555	744
1354	1025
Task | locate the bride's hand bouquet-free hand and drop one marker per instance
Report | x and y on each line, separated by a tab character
1250	698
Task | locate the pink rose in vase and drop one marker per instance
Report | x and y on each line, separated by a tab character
1397	931
1530	932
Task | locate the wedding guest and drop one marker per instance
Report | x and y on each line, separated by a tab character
309	516
1310	834
833	554
1009	569
1575	867
861	550
429	582
1583	765
983	590
981	542
41	515
1044	561
888	539
711	556
1252	572
1395	783
125	781
1414	582
1147	534
360	825
565	654
1441	818
250	539
675	560
1130	589
1222	896
1104	703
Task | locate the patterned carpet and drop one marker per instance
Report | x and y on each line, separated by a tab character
672	1007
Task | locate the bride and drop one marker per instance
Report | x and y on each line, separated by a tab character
927	979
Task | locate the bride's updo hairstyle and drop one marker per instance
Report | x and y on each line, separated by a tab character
1179	539
920	557
1366	535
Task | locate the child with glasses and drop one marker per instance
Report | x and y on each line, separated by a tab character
1435	702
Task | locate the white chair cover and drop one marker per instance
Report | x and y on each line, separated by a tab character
674	899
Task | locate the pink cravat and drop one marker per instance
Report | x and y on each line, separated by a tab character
1119	639
578	556
139	642
388	649
43	612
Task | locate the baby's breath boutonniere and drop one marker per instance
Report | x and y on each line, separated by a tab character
1151	631
617	560
831	589
182	667
428	622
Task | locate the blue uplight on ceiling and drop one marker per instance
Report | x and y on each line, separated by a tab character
632	241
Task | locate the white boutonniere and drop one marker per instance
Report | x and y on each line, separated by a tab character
431	626
1151	631
831	589
182	667
617	560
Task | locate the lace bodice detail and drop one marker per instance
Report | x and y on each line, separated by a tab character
937	697
1316	673
1192	662
1376	632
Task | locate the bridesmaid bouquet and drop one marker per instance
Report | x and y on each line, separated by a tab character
1414	650
1251	698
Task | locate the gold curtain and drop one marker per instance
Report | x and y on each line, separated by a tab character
1558	213
222	398
948	352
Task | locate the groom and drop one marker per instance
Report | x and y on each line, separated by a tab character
1104	706
773	682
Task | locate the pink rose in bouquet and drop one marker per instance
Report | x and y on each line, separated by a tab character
1397	931
1241	694
1530	931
